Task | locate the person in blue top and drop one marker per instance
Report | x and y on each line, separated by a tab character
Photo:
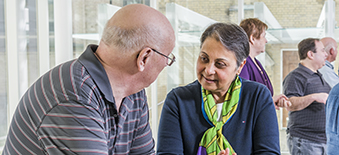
220	113
332	121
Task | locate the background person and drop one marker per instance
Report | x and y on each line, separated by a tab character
253	70
308	92
237	112
332	121
97	104
327	70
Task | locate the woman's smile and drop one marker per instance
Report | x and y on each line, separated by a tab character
209	80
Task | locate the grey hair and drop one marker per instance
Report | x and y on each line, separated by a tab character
131	39
231	36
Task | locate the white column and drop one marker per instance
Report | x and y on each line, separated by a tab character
11	24
330	18
240	10
63	31
154	4
154	95
43	35
154	111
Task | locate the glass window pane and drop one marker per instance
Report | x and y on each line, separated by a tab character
3	79
27	45
51	33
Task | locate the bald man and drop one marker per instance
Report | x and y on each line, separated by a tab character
97	104
327	71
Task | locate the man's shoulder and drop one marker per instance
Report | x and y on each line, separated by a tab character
334	91
298	72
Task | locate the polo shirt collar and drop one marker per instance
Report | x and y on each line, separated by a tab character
307	70
328	64
97	72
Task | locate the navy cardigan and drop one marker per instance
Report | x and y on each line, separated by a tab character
253	129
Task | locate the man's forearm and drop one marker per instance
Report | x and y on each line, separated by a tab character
300	103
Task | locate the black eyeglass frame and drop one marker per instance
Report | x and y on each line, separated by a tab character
172	59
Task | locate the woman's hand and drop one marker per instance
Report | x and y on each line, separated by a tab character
226	152
281	101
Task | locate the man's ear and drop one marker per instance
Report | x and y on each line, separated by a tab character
310	55
143	58
251	39
331	52
241	66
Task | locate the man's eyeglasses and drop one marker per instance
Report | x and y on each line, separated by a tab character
170	58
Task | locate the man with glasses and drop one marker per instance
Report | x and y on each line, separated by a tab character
308	92
97	104
170	58
327	70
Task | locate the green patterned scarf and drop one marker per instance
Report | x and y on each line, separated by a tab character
213	141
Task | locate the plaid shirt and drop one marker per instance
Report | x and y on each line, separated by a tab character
71	110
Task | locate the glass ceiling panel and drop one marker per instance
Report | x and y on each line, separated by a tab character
293	35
